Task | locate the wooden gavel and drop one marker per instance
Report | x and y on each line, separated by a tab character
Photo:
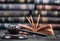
15	30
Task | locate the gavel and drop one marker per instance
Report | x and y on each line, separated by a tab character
13	29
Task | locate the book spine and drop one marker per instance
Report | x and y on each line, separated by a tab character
24	20
47	2
28	13
45	13
5	25
32	1
48	7
16	1
17	6
14	13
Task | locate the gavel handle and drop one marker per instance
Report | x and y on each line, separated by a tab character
36	33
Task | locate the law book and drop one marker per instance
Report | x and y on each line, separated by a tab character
51	2
45	13
6	25
17	7
28	13
56	2
17	1
14	13
48	7
24	20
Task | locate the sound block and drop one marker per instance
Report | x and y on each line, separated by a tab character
11	36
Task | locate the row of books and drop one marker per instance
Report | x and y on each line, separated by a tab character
6	25
28	7
14	12
28	13
32	1
24	20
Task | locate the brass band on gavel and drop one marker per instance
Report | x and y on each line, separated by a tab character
24	20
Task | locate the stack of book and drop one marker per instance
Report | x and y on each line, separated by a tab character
16	11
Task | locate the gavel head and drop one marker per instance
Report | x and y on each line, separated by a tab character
13	29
